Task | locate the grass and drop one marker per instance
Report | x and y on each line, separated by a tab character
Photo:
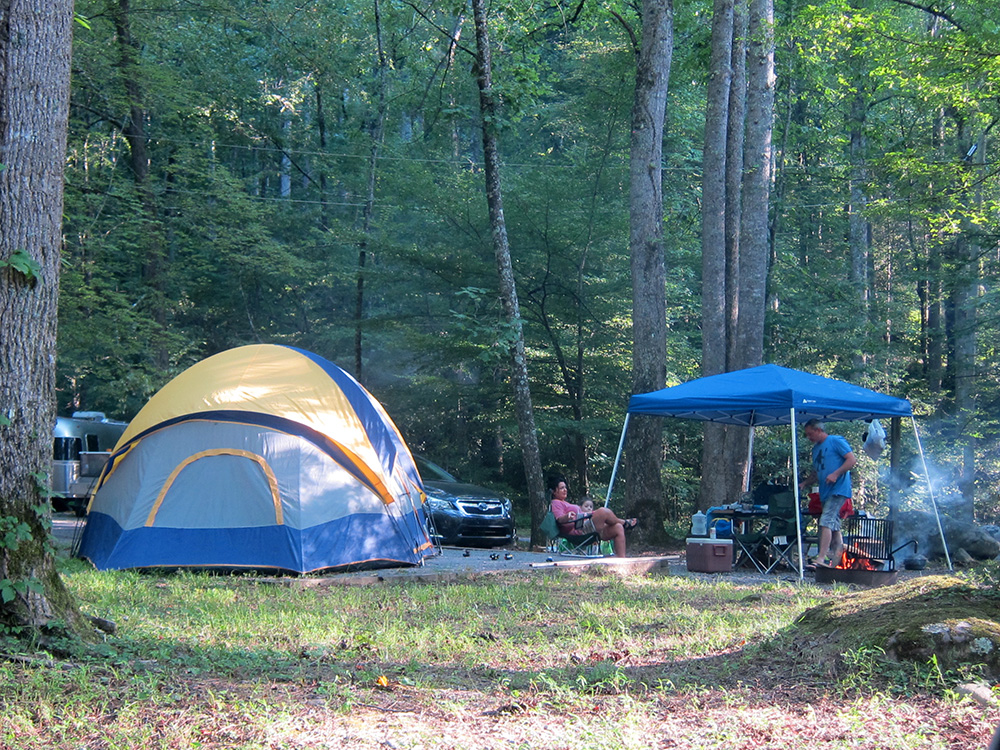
534	661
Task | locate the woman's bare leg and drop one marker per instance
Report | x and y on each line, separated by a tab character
609	528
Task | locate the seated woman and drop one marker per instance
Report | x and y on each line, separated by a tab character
573	522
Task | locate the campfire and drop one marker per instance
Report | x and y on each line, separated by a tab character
867	556
853	559
856	568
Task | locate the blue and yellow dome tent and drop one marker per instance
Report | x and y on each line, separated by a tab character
265	457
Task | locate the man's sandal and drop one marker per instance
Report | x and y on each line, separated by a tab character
812	563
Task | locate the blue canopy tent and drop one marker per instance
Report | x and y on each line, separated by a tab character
764	396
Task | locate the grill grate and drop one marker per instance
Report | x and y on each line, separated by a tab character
868	538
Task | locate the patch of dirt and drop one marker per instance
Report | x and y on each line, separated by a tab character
776	719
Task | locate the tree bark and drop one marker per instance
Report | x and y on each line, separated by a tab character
754	246
857	224
376	128
714	292
735	125
35	42
713	194
134	130
644	487
489	109
964	301
735	438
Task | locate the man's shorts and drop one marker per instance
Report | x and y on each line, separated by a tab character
831	512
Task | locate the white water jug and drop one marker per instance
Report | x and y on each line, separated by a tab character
699	524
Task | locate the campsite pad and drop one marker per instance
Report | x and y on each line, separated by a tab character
451	565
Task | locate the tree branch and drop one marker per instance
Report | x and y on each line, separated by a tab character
933	11
628	28
442	31
564	23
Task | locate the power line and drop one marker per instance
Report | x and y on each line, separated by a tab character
382	157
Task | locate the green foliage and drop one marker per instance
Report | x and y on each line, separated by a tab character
869	665
13	533
24	264
9	590
250	226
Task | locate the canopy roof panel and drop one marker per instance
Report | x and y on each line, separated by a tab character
766	395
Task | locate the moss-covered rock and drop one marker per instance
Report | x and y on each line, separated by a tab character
953	642
945	617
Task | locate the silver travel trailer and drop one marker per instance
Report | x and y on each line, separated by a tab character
81	447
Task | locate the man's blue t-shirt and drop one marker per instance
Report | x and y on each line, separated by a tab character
828	456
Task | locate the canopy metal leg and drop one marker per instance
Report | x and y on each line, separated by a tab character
930	491
795	484
618	457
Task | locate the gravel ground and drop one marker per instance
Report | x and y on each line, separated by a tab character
457	562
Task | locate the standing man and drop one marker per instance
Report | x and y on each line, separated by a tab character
833	460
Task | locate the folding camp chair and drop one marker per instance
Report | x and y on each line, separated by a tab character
776	543
781	536
750	548
571	545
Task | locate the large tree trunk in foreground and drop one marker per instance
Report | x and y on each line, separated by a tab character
35	45
508	290
644	487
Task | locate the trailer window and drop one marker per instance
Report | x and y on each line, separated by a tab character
93	444
67	449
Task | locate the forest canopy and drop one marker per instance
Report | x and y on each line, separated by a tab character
310	173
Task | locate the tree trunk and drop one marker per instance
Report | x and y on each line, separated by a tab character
34	107
376	128
754	249
964	300
714	293
735	438
508	291
857	224
134	130
324	214
735	126
649	344
933	320
932	295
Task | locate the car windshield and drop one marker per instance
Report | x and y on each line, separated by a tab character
431	471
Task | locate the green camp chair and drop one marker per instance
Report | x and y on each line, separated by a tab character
780	539
572	545
750	548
